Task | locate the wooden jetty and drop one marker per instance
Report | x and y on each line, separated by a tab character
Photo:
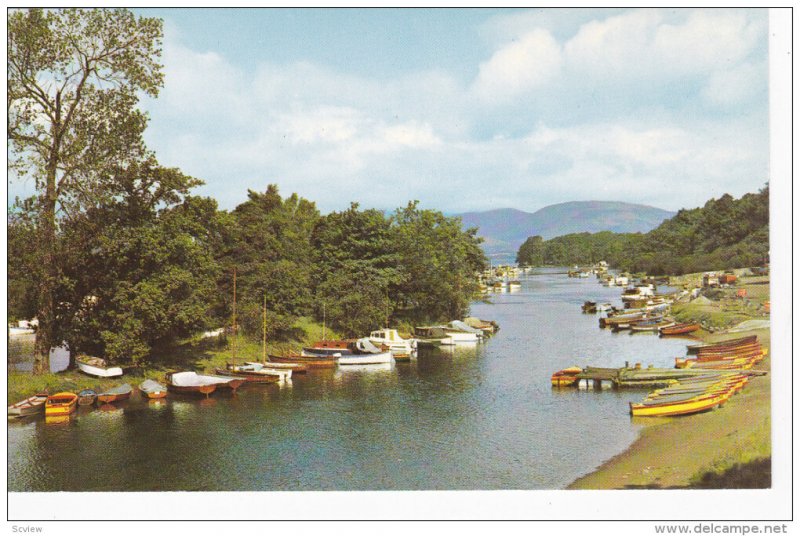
638	377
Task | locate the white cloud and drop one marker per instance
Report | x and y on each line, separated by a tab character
525	64
334	137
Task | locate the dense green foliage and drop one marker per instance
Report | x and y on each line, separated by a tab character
724	233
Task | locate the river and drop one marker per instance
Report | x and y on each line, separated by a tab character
481	417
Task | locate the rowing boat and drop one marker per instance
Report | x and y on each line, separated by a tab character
30	406
94	366
86	397
694	348
152	389
684	407
60	404
309	361
565	377
117	394
679	329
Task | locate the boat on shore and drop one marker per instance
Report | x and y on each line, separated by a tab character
61	404
721	345
87	397
152	389
116	394
30	406
95	366
679	329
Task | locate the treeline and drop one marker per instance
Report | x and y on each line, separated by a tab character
116	256
156	264
724	233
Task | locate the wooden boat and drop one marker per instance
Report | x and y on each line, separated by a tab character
94	366
651	326
117	394
30	406
308	361
679	329
296	368
341	344
721	345
152	389
61	404
87	397
565	377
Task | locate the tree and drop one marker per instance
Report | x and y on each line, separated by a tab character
73	81
356	261
138	271
440	263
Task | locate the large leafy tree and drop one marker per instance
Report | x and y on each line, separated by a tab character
356	261
73	82
139	267
440	263
268	244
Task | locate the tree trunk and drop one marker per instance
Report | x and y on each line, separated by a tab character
47	240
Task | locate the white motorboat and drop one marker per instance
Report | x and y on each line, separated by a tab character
366	359
390	339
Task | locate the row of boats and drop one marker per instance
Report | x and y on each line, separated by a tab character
698	384
380	347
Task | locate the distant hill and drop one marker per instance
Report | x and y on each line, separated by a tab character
504	230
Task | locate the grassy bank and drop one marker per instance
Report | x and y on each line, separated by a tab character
202	355
726	448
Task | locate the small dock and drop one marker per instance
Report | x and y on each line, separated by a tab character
637	377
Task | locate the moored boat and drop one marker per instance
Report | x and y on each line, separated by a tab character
94	366
30	406
190	382
685	406
308	361
366	359
61	404
389	339
116	394
565	377
86	397
694	348
152	389
296	368
254	374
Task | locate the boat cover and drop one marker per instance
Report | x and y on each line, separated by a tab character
461	326
366	346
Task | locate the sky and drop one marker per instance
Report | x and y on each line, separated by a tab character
465	109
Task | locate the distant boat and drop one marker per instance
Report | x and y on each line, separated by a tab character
94	366
87	397
30	406
61	404
152	389
116	394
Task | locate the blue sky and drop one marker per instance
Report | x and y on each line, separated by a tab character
466	109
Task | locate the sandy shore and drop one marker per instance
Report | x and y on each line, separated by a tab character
693	450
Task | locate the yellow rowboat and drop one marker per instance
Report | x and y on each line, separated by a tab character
565	377
60	404
685	407
664	395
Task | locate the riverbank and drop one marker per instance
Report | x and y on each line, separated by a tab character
729	447
200	354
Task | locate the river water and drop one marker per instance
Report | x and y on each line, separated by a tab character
480	417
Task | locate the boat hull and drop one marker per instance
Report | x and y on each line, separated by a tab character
310	362
366	359
99	372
